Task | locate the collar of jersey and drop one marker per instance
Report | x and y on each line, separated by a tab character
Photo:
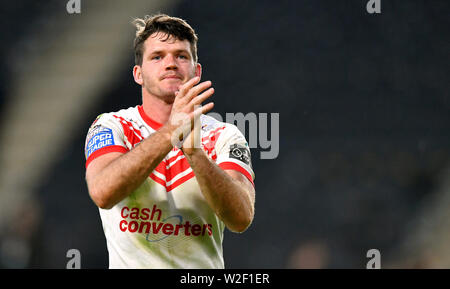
152	123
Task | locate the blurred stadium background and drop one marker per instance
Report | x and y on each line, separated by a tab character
363	100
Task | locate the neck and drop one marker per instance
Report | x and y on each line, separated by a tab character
156	108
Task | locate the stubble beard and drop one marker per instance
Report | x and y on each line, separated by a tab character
166	95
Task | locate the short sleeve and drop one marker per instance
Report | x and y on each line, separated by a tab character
104	136
233	152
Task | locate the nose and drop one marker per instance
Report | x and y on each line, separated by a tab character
171	63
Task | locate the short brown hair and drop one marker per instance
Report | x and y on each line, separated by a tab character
172	26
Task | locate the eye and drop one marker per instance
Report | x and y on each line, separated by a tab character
182	56
156	57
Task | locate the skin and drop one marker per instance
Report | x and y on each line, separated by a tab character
170	81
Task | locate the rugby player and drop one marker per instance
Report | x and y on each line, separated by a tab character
166	177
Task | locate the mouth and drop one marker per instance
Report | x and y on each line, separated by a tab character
172	76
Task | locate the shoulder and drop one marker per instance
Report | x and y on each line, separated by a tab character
125	113
222	135
210	124
109	118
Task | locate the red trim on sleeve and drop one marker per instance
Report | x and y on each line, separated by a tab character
105	150
236	167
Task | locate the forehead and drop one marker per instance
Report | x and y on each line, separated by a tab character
162	41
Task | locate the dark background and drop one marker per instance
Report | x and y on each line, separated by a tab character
364	126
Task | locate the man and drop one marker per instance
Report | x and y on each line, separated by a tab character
165	205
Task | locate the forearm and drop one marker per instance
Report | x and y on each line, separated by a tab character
230	200
126	173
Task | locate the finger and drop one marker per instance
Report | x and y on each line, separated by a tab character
202	97
194	91
184	89
199	110
207	107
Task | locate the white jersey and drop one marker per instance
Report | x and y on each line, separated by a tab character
166	222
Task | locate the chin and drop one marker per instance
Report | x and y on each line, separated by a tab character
168	96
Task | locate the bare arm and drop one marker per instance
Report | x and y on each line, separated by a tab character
229	193
114	176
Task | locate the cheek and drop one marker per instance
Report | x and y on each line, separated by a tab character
190	71
147	76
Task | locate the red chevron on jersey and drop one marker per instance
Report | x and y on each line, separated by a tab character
158	180
172	172
178	168
185	177
132	134
171	161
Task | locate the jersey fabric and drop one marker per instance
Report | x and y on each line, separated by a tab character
166	222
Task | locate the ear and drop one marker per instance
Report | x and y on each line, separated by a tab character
198	70
137	74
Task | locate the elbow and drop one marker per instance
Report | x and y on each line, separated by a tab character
104	205
241	226
100	200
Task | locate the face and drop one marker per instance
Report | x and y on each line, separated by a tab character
166	64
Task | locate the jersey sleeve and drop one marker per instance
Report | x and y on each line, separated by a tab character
104	136
233	152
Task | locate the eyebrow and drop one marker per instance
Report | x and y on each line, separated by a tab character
176	51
